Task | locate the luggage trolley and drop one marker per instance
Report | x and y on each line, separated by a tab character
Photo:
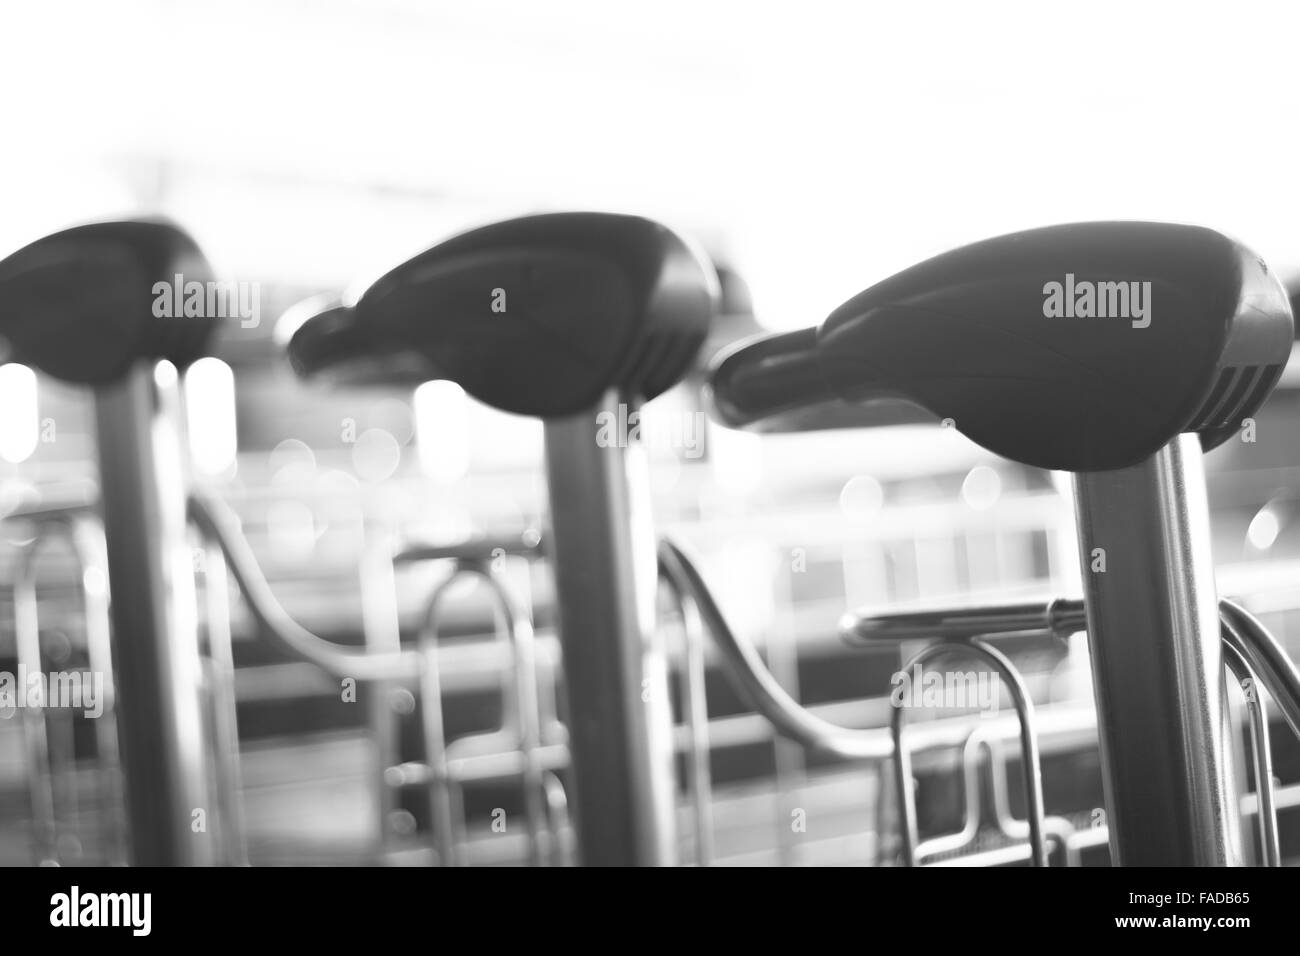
78	307
1127	407
603	312
610	311
865	366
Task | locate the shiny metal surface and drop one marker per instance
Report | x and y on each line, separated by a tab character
1253	655
518	753
1033	773
1060	618
1157	660
695	715
530	746
1261	754
169	792
36	738
522	731
219	523
219	662
1266	657
755	683
615	672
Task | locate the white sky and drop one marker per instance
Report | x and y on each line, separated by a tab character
823	145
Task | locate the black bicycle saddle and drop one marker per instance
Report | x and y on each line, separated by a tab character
537	316
1078	347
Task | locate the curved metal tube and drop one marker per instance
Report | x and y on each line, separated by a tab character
966	836
755	683
699	780
1024	707
1266	657
217	521
1055	828
1063	616
1266	809
557	815
522	706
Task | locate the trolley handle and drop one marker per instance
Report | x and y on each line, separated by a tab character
217	522
775	383
1064	616
755	683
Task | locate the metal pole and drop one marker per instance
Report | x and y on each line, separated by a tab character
1157	660
614	668
224	707
155	619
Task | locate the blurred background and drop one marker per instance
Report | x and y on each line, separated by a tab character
812	150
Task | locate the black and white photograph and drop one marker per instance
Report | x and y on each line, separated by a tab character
443	436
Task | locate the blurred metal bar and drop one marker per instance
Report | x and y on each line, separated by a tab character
557	813
382	699
1065	616
36	741
522	705
695	707
695	717
223	706
218	522
526	544
447	837
155	617
478	767
1157	660
1266	657
946	843
1261	754
755	683
88	544
1060	618
521	725
1024	707
1057	829
54	807
788	758
620	720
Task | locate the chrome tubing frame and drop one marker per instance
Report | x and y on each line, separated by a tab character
1252	655
530	747
523	730
50	759
1024	708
